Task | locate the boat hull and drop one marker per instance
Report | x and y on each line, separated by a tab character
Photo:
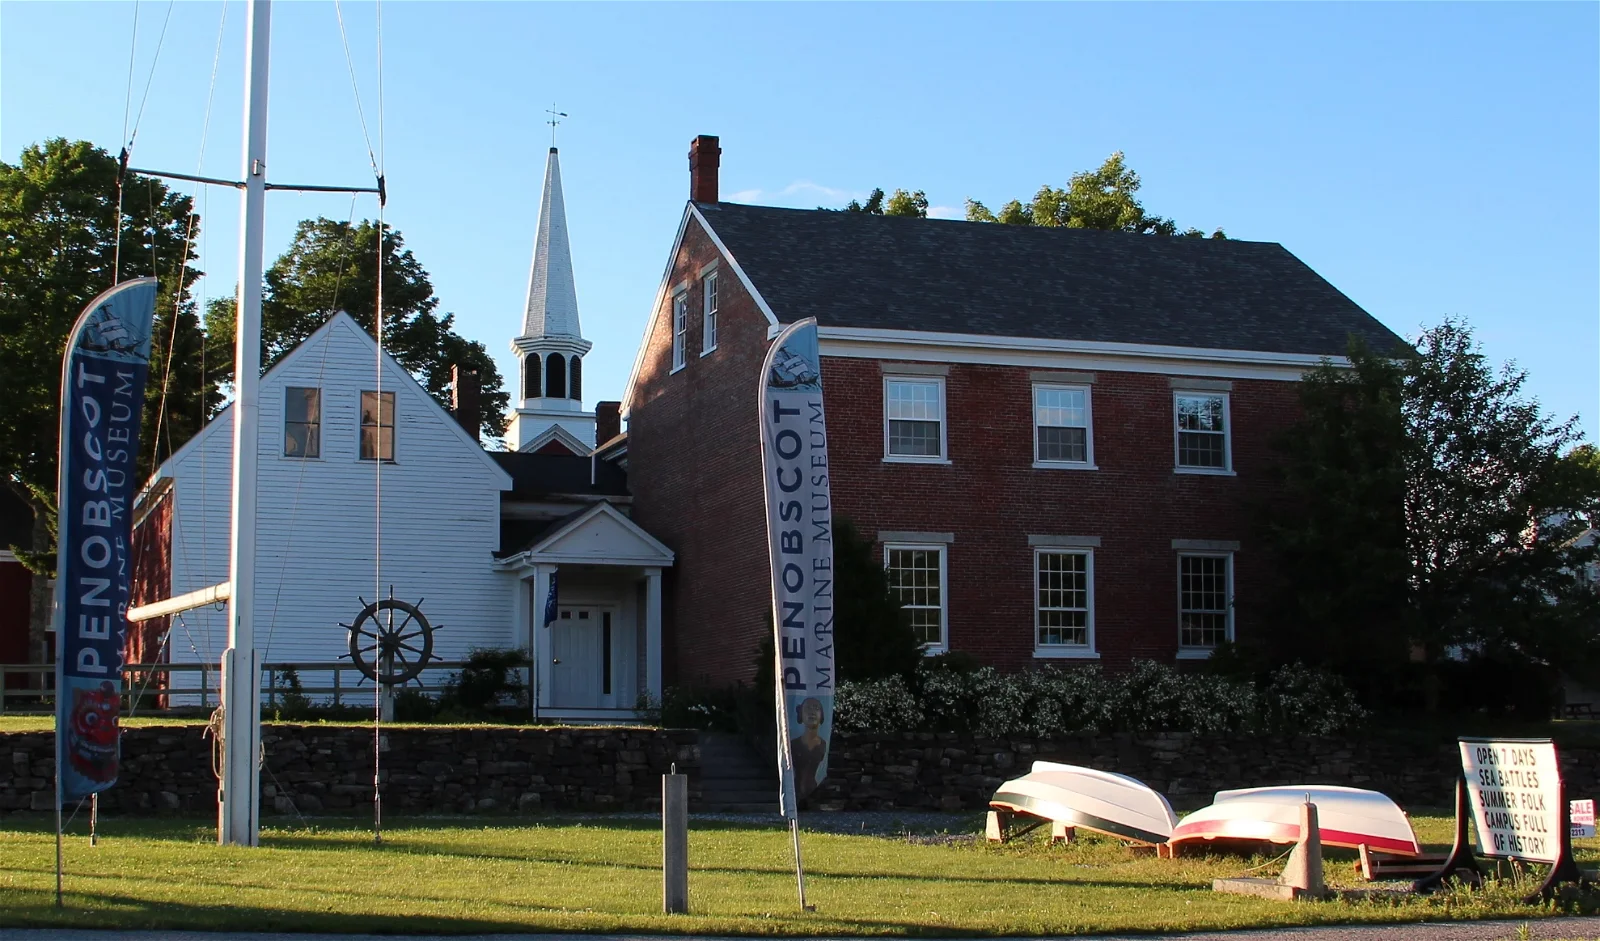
1113	804
1348	817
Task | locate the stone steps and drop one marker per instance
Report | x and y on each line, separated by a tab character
734	778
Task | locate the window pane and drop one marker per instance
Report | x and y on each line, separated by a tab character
1063	444
1202	449
302	404
1202	600
914	400
377	408
915	438
1200	412
914	579
377	443
1062	407
302	439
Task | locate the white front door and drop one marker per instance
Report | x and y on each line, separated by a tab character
580	655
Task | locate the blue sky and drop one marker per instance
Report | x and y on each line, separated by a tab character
1428	159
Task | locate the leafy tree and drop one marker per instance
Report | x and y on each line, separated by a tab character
58	235
1093	199
902	203
1432	509
873	635
333	266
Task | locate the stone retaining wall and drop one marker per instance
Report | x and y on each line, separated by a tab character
925	771
316	769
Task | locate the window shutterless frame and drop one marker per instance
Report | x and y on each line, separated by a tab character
302	422
1060	413
910	404
376	428
1199	442
1053	578
680	329
708	323
912	568
1205	603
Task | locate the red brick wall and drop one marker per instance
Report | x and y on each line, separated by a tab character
992	498
151	579
694	467
15	605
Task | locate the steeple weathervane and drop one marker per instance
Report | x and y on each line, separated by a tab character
555	118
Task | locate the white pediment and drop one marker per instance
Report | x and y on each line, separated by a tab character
601	536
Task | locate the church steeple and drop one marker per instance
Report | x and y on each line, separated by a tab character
551	347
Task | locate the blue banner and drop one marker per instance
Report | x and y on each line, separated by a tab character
550	600
102	399
794	463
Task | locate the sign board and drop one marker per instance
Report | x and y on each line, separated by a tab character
1514	786
1582	817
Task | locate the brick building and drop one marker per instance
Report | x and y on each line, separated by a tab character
1054	436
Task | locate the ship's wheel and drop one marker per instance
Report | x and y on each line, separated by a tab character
391	641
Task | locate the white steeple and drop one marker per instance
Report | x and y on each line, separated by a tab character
551	347
552	294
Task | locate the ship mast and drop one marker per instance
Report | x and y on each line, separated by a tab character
239	811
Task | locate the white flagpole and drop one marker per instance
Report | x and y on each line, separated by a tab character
238	816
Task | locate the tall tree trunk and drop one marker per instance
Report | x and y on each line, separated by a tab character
39	597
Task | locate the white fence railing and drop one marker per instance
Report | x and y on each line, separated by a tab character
194	686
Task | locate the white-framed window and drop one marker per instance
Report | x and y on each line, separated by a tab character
302	422
377	426
1063	606
680	329
917	579
708	333
1205	601
1201	432
1063	432
913	419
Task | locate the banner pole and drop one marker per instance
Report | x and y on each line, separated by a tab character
799	870
94	819
58	813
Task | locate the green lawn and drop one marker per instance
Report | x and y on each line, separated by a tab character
603	874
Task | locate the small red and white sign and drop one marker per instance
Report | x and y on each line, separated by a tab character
1582	814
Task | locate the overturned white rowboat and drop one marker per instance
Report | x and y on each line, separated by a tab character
1108	803
1346	816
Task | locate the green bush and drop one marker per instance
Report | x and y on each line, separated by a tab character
1149	698
484	686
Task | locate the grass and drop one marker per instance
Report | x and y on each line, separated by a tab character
451	875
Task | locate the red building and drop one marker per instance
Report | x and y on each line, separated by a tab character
1055	436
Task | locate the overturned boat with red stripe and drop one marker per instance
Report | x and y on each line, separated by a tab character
1346	816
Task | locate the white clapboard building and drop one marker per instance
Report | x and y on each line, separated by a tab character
477	536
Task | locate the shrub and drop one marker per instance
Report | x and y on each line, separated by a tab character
1147	699
488	680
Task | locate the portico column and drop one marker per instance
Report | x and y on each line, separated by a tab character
652	633
539	635
522	629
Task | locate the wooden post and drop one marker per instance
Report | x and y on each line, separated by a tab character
995	826
1061	833
675	843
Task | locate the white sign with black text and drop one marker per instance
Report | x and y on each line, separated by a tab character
1514	786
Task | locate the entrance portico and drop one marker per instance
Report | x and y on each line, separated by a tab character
587	609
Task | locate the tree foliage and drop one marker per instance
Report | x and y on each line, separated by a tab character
1432	511
1104	198
902	203
58	233
333	266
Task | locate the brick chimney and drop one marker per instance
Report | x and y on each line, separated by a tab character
704	159
464	395
607	421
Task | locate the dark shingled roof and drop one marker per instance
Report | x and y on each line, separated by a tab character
852	269
517	535
536	475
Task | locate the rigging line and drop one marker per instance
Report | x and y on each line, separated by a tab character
160	41
377	549
133	46
188	242
294	511
338	12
